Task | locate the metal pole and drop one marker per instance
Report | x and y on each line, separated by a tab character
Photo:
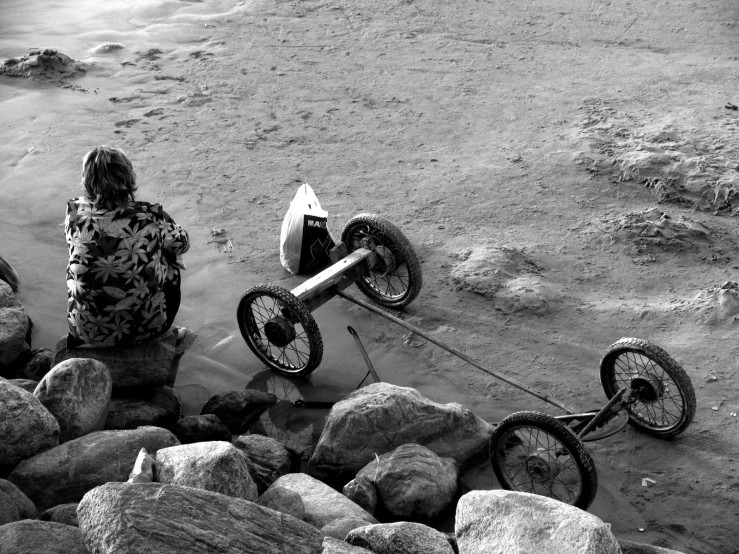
456	352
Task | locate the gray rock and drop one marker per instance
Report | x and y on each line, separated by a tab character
239	409
268	460
65	473
339	528
32	536
14	505
9	280
63	513
77	393
145	364
216	466
283	500
509	521
361	491
412	482
335	546
14	325
25	384
201	428
160	410
38	365
629	547
401	538
380	417
143	468
26	427
322	503
170	519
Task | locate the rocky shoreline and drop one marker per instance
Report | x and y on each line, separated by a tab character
95	457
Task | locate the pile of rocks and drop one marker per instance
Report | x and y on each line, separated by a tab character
95	458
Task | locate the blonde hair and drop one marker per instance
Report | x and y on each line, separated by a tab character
108	177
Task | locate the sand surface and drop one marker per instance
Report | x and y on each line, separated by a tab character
564	169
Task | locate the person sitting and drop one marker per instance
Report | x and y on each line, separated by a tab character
125	257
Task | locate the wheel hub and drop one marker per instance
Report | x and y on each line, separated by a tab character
385	260
646	388
541	470
279	331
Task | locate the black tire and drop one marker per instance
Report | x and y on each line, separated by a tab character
395	288
533	452
300	348
664	397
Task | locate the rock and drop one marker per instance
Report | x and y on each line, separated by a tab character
628	547
412	482
401	538
14	505
77	393
25	384
8	278
143	468
26	427
201	428
160	410
170	519
239	410
38	365
361	491
335	546
216	466
63	513
145	364
322	503
509	521
65	473
32	536
380	417
268	459
14	326
283	500
339	528
45	66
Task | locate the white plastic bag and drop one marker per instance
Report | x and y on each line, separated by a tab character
304	240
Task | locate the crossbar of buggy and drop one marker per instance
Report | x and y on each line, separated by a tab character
456	352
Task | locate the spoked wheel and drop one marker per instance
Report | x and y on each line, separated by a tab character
662	396
395	280
280	330
533	452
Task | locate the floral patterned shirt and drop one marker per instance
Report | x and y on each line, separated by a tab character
119	261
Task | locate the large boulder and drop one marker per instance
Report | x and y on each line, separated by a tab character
160	408
39	363
212	466
170	519
145	364
63	513
65	473
401	538
14	326
77	393
322	503
239	409
14	505
268	460
26	427
32	536
9	284
413	483
283	500
201	428
380	417
509	521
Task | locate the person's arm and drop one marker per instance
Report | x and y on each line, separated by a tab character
176	239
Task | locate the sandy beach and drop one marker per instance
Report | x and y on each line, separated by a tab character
564	170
